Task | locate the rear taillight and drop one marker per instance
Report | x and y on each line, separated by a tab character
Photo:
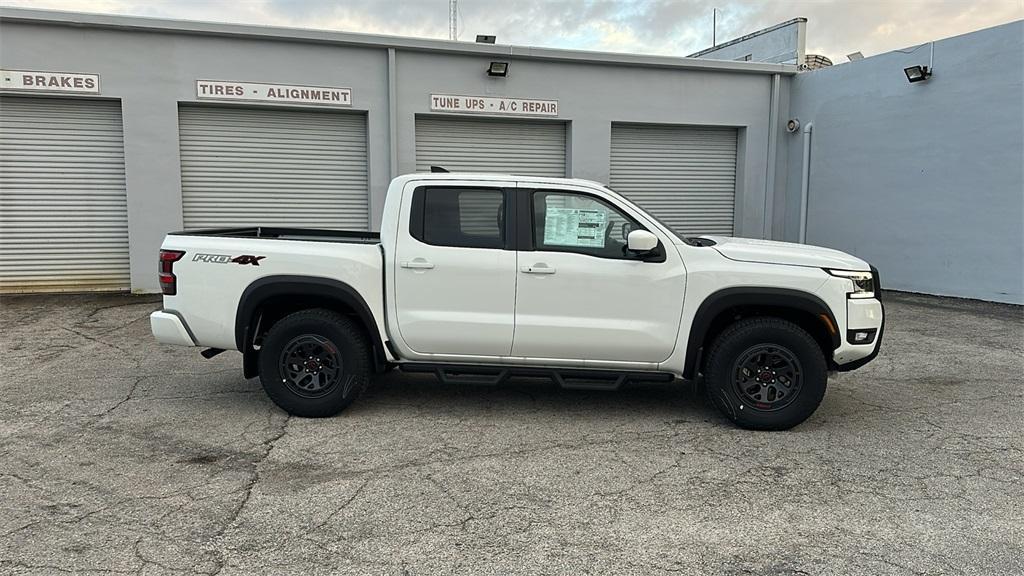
168	282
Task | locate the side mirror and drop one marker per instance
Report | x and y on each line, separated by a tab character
641	241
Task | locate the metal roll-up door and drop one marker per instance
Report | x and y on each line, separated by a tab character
684	175
63	207
522	147
263	167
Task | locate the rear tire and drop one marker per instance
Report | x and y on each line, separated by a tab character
314	363
765	374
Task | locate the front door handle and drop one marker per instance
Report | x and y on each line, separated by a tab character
540	268
418	264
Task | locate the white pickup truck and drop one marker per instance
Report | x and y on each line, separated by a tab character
476	277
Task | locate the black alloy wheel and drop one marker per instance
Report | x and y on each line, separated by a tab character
765	373
315	363
311	366
768	376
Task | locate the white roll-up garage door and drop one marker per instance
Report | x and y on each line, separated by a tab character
63	208
684	175
525	147
269	167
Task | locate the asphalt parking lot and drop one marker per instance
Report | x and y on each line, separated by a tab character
123	456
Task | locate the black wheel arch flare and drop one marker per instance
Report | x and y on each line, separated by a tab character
750	297
264	289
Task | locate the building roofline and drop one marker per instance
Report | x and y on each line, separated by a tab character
307	35
747	37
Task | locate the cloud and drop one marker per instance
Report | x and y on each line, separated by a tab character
670	27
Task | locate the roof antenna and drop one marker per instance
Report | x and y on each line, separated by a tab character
453	20
438	170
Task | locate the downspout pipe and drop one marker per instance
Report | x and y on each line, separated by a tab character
392	113
805	181
773	138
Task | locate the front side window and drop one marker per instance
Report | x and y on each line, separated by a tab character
460	217
570	222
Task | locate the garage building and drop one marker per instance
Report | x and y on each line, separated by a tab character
117	130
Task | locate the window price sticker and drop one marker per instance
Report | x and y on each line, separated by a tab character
575	227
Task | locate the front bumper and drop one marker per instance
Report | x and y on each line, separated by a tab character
169	328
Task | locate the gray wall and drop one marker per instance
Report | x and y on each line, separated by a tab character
923	180
151	67
151	73
783	43
592	96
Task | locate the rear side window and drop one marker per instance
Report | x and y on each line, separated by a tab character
460	217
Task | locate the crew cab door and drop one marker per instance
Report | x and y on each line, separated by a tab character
455	270
581	295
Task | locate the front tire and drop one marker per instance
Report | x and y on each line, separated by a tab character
314	363
765	374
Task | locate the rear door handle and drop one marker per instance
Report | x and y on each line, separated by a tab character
537	269
417	264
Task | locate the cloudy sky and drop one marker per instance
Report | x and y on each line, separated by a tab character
670	27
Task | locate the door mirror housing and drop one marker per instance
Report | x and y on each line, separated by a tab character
641	241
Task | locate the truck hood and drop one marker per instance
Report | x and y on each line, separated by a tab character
771	252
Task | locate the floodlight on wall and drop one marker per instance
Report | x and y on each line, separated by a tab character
920	72
498	69
793	125
485	38
917	73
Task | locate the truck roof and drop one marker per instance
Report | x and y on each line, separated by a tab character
495	178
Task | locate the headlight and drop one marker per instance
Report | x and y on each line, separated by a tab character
863	282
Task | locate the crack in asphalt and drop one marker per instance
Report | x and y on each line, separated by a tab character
343	506
250	485
126	398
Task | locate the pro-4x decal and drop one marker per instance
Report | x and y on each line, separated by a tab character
227	259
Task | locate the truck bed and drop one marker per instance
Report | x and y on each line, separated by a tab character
303	234
219	266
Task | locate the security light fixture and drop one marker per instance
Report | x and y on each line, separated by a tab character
485	38
917	73
793	125
498	69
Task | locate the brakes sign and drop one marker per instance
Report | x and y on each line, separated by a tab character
226	259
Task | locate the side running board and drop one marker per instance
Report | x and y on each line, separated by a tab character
574	379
